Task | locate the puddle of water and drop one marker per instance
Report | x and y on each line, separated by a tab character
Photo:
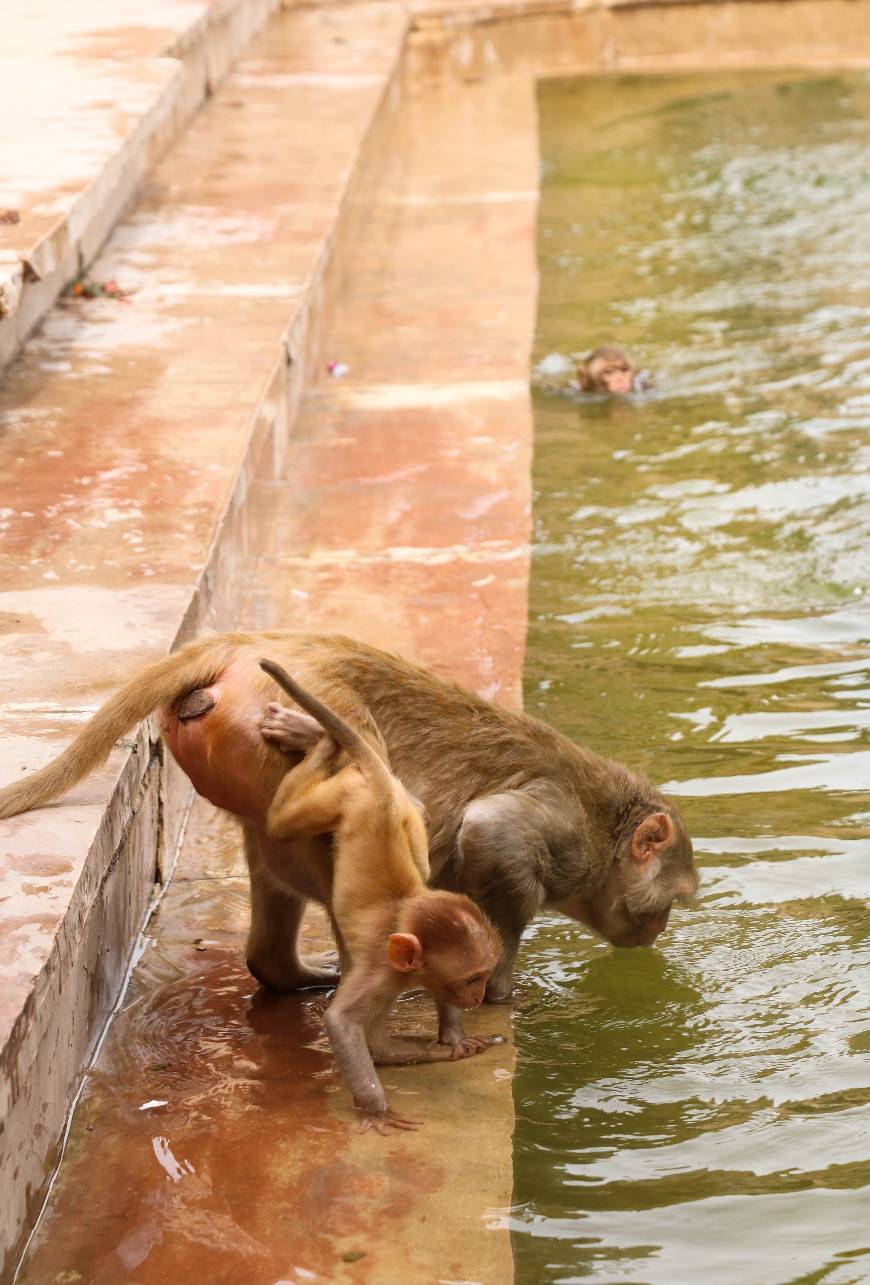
702	1110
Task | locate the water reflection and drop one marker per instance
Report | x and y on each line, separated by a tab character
702	1111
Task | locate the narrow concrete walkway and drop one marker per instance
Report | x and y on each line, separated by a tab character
213	1138
405	511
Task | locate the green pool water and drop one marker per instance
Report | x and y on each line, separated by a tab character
700	1112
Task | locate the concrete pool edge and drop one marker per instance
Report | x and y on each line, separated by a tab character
135	808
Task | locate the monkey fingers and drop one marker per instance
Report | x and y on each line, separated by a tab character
289	730
405	1050
383	1123
469	1046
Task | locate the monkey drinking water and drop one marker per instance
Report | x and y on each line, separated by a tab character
519	817
394	933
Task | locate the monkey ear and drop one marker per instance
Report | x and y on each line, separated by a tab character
404	952
583	377
654	833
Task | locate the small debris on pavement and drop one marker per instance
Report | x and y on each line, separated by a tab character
86	288
337	369
10	216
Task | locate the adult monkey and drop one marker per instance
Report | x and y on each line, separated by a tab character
519	817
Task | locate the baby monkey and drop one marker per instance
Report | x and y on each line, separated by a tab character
393	932
610	370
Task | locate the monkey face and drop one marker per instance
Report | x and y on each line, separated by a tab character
607	915
468	992
463	989
616	377
607	370
607	910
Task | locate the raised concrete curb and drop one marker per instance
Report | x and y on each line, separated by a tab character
571	37
90	96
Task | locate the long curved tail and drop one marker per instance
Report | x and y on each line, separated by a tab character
196	665
366	758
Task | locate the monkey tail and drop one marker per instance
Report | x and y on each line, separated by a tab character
368	759
158	684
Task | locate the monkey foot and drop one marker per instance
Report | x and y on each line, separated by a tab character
299	979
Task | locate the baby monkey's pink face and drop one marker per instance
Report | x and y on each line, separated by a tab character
468	991
458	974
452	954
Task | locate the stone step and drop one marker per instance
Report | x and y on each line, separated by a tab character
91	94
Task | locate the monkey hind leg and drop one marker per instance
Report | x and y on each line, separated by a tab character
272	951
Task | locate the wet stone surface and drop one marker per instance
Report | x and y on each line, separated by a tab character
212	1136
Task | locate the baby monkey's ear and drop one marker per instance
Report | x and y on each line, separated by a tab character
404	952
584	375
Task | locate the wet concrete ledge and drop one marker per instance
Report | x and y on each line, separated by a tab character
91	95
571	37
126	428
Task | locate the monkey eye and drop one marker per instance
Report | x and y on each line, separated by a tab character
472	981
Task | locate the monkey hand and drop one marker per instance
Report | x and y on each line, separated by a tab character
383	1121
289	730
468	1046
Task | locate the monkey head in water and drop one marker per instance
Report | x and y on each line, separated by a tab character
611	371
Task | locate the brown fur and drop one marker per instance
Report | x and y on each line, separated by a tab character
519	816
380	903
